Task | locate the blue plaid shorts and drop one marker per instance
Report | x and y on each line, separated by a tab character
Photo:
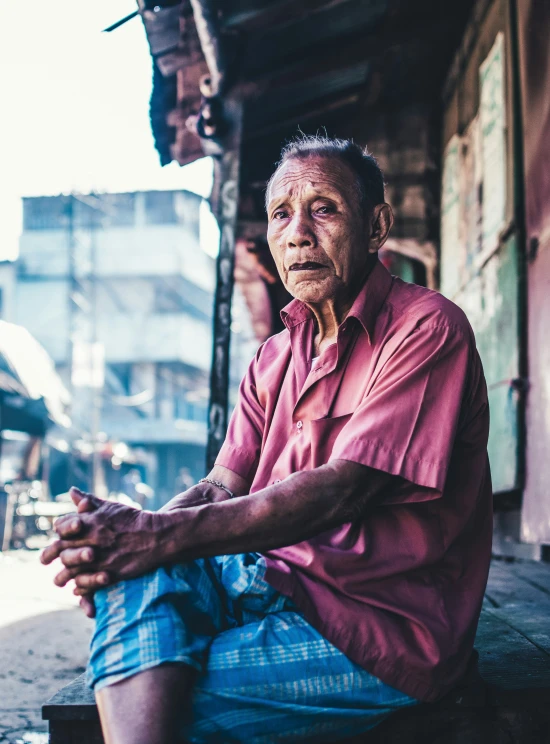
264	674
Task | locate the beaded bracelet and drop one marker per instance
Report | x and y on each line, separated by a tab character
218	485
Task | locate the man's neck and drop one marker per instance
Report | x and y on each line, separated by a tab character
330	315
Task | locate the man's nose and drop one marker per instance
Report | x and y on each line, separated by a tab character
300	233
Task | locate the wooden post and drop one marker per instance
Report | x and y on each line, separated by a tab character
227	183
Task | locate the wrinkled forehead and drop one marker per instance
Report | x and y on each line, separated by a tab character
299	177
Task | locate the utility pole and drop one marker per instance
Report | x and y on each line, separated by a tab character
84	346
69	216
97	385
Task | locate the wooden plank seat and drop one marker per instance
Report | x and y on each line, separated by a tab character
504	697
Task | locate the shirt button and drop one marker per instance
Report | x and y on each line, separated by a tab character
299	424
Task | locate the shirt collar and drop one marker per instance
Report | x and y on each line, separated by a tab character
365	308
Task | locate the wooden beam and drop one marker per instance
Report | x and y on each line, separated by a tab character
276	14
251	229
162	28
372	47
420	250
206	24
302	96
172	61
294	121
227	169
321	32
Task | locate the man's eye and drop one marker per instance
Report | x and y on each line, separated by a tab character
279	214
323	210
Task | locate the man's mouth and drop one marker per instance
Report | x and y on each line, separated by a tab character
307	266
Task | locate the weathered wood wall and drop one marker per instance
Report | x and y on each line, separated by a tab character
481	240
534	35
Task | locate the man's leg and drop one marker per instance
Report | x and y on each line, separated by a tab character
152	634
143	709
278	679
275	678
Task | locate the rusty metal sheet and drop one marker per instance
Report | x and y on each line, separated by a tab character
534	60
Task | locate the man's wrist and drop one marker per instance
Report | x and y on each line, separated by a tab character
174	519
213	494
220	486
175	534
198	495
164	536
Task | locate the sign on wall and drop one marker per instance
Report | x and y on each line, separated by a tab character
450	218
474	189
492	114
471	195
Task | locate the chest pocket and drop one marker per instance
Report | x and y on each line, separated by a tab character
324	432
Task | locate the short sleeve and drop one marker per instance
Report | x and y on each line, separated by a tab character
240	451
407	422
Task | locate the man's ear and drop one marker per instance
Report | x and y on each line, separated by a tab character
381	224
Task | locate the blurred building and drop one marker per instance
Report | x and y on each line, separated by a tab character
7	290
33	400
118	290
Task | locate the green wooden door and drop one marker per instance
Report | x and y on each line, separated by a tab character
491	301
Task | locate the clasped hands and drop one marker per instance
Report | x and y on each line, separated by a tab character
106	542
103	543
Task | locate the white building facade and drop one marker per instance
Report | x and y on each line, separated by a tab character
126	273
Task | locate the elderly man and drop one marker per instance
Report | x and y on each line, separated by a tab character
331	568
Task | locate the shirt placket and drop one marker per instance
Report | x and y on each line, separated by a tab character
326	375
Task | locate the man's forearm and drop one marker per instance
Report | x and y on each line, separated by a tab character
207	492
301	506
113	542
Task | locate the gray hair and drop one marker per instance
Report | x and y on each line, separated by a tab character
370	180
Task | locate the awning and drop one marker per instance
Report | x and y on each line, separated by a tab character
32	388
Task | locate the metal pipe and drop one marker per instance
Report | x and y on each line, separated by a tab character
122	21
211	45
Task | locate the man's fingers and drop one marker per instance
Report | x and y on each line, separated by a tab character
85	583
77	495
91	581
64	576
71	557
87	604
86	505
69	526
84	501
52	552
80	592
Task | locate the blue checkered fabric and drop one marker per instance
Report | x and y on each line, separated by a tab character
264	674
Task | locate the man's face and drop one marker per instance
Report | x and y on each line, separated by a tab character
317	231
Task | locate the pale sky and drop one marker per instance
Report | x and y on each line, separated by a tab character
74	106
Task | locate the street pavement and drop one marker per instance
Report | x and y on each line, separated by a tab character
43	644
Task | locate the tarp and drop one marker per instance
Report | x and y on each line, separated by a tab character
28	372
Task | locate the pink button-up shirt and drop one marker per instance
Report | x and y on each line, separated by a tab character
402	390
